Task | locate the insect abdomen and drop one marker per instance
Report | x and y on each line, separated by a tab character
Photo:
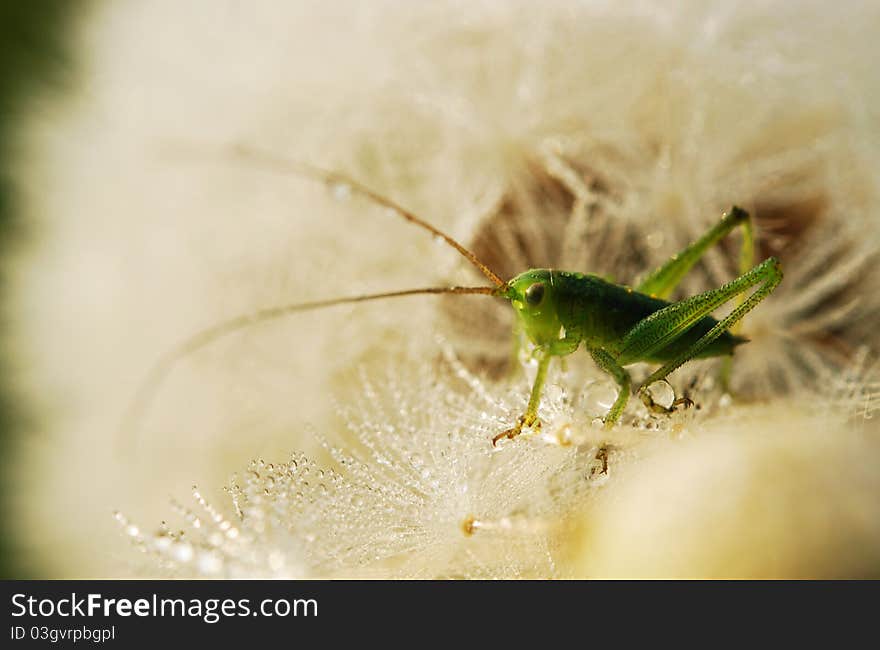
603	313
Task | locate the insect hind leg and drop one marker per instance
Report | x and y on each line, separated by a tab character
664	280
663	327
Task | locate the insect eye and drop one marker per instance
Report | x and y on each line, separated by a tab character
535	293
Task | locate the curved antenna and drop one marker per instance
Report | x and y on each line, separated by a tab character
278	163
151	383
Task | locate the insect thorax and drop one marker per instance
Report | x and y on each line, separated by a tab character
578	307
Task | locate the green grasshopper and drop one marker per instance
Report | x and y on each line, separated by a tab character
557	310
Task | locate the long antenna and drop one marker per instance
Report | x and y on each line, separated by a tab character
148	388
275	162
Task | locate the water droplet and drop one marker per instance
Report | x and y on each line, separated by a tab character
563	434
209	563
655	239
182	552
661	392
598	397
162	542
276	560
341	191
554	393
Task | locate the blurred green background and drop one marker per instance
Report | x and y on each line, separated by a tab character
34	60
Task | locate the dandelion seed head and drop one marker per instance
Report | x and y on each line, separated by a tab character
419	492
551	157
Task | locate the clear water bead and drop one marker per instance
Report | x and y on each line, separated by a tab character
598	397
655	239
554	393
341	191
162	542
209	563
182	552
661	392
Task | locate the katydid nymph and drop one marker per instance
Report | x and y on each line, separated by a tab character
558	311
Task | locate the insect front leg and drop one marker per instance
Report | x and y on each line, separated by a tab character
530	417
607	363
